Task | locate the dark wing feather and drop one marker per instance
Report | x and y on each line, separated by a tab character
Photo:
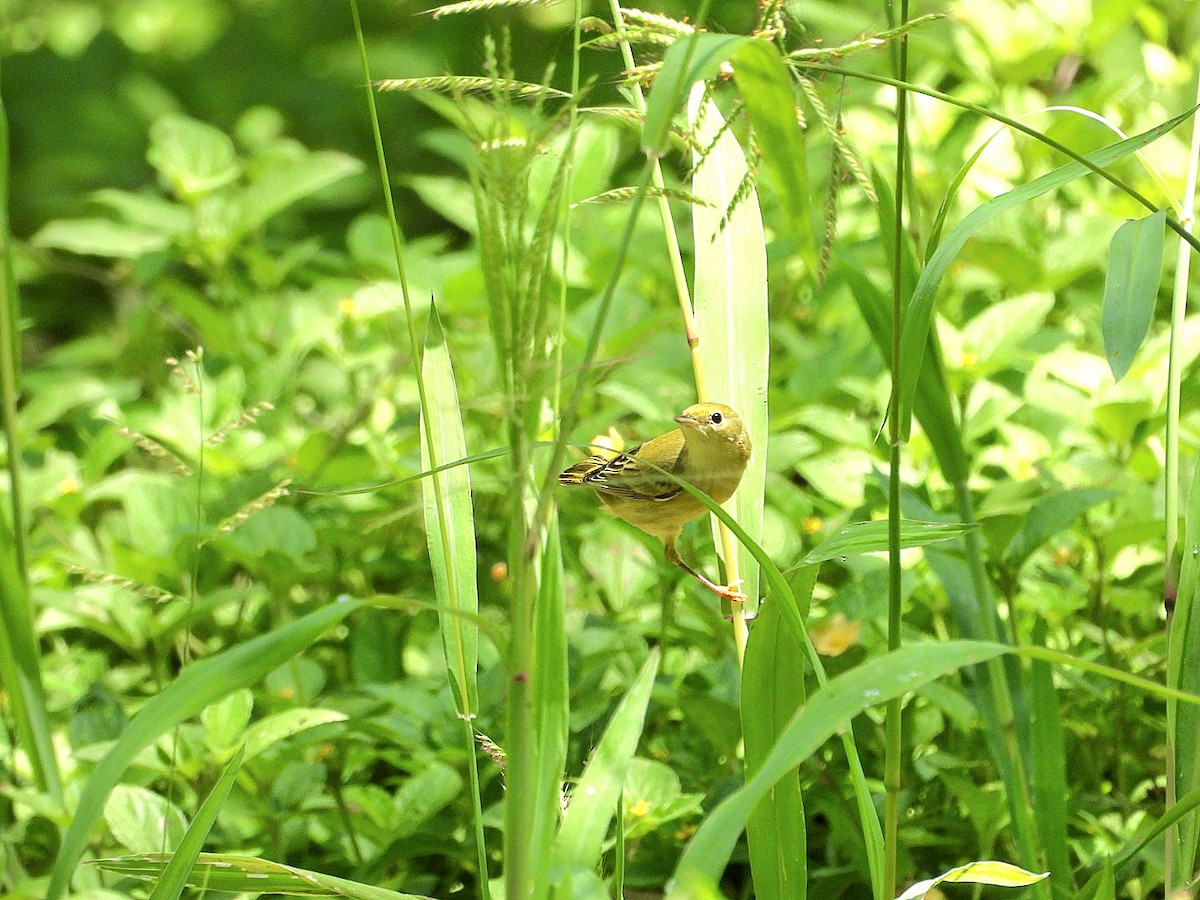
624	476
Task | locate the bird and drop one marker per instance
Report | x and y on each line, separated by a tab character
709	450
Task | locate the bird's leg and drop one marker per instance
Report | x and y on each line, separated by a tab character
729	593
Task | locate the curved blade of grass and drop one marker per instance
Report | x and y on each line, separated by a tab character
999	874
227	873
766	87
696	57
1131	288
1184	806
1048	769
830	709
872	832
195	688
836	703
594	799
919	315
21	668
175	876
730	298
1183	671
449	518
872	537
20	662
772	691
932	401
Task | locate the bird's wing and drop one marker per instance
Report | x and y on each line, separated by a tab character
622	476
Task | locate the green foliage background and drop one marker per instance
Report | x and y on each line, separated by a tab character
280	267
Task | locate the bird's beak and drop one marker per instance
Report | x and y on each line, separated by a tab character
688	421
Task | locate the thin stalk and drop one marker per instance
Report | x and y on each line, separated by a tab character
434	462
682	295
1174	375
10	364
1172	222
18	641
893	738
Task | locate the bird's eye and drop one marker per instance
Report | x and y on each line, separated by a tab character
716	418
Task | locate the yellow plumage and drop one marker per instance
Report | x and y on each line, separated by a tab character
709	450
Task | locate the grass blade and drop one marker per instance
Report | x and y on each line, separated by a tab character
196	687
1183	673
830	709
228	873
449	519
1048	769
730	298
766	87
772	691
871	537
175	876
696	57
594	799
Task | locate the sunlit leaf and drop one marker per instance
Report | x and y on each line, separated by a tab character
1131	288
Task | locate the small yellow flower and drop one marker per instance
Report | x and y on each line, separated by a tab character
641	809
69	485
346	307
835	635
812	525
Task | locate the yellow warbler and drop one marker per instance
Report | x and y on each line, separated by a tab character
709	451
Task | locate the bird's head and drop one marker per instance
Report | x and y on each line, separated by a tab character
713	423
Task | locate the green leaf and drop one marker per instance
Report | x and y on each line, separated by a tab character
772	691
449	519
1131	288
100	237
225	721
286	182
424	795
268	732
142	820
227	873
919	314
174	878
197	686
1183	672
1048	775
730	297
830	709
1049	516
872	537
696	57
193	158
766	87
594	799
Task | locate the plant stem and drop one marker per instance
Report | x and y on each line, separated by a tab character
465	713
1171	476
893	746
